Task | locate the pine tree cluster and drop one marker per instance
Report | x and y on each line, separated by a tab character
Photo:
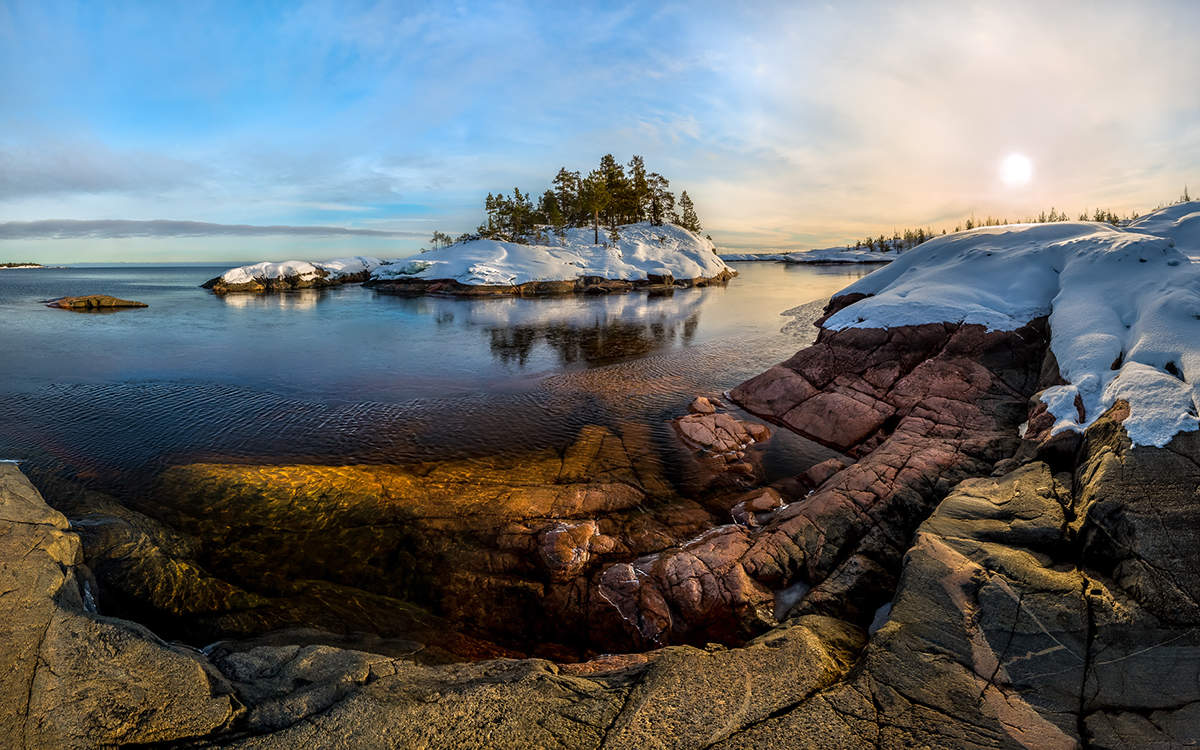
609	196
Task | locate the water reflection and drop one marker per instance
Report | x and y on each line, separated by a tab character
604	331
574	330
300	299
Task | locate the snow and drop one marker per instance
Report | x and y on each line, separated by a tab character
305	270
642	250
820	255
1124	307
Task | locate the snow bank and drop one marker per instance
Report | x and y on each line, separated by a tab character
300	269
1124	307
642	250
821	255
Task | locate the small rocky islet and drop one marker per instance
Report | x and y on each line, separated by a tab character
1006	552
643	256
93	303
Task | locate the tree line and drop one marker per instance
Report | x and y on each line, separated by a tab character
910	238
606	197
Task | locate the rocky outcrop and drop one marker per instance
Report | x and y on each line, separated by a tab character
725	448
1034	609
81	680
76	679
316	279
919	407
581	285
93	302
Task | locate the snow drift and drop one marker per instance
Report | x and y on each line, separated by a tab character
643	250
1123	304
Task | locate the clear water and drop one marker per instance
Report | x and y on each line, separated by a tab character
350	375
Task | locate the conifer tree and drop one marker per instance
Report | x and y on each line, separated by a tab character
594	199
566	190
662	201
639	188
689	220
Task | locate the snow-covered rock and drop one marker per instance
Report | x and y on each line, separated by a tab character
819	255
642	253
1123	305
294	274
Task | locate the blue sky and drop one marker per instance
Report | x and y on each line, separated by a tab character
791	125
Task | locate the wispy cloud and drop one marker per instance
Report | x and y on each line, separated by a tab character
790	124
61	229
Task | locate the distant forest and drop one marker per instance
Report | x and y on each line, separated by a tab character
910	238
609	196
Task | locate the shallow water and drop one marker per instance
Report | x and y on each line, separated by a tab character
350	375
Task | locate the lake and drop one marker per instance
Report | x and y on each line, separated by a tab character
350	375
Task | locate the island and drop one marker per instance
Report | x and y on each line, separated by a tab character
20	265
93	303
617	229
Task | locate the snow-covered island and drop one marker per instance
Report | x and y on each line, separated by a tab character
294	274
643	255
1123	305
819	255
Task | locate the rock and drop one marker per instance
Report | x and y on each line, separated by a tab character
748	507
582	285
920	407
999	637
74	679
503	547
93	302
720	459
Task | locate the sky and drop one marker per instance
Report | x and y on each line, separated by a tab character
250	130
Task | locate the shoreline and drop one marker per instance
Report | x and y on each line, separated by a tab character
236	697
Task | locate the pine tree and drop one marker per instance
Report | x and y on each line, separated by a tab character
566	190
552	214
690	221
662	201
639	187
593	199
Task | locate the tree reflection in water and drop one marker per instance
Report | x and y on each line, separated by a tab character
609	333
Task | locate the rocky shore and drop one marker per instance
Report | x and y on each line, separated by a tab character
983	563
1051	601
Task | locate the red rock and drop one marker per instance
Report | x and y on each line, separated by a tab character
701	405
919	407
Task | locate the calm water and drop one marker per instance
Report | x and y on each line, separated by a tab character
349	375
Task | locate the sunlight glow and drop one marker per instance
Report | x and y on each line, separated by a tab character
1016	170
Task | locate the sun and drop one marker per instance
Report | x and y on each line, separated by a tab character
1016	170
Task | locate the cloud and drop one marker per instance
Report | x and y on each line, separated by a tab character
62	229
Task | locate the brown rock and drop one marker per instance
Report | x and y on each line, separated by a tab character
93	302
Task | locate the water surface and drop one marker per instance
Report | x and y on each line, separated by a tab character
351	375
